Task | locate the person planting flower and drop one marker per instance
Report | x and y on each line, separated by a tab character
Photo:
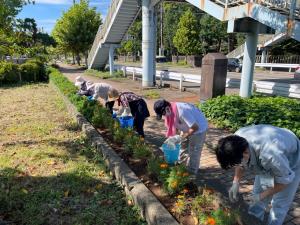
136	104
188	119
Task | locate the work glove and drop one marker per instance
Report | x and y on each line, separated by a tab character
234	191
254	198
172	141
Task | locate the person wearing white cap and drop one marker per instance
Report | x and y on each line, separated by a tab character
85	87
96	90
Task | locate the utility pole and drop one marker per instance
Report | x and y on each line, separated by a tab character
161	50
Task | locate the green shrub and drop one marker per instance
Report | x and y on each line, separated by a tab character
9	72
234	112
29	71
103	74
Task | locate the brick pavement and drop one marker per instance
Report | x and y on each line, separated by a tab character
210	171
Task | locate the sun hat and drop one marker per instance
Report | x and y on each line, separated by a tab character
79	81
159	108
113	94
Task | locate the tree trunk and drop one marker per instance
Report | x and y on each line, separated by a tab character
86	59
73	56
78	59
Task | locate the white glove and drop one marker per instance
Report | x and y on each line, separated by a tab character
234	191
254	198
126	112
172	141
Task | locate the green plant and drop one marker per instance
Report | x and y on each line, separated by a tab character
119	135
9	72
234	112
152	94
154	166
141	151
103	74
177	179
131	142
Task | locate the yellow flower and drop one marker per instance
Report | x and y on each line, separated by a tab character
163	165
180	196
211	221
174	184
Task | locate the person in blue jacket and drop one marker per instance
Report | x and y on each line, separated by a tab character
273	155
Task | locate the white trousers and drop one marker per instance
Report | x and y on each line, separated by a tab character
280	202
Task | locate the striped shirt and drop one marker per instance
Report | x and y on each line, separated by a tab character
126	97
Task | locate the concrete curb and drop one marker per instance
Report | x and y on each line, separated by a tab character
151	208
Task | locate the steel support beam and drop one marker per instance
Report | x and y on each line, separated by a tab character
147	43
111	60
249	61
264	55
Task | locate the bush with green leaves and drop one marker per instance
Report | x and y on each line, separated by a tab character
234	112
9	72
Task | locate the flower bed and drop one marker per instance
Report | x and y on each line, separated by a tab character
169	183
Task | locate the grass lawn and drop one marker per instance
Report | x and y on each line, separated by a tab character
49	174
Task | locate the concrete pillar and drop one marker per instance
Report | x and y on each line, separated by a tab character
213	76
249	62
264	56
147	43
154	46
111	60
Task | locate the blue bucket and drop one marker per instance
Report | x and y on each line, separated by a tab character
171	155
126	121
90	98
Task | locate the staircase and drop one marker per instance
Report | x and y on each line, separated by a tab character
120	16
280	15
264	40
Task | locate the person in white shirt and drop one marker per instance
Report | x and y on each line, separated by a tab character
193	125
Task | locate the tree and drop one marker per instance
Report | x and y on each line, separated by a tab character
76	29
171	16
212	33
8	11
186	39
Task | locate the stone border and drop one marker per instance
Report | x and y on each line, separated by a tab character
151	208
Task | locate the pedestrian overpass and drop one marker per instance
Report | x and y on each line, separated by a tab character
252	17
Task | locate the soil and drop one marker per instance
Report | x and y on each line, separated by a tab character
139	167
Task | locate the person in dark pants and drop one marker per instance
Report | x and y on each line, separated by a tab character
137	105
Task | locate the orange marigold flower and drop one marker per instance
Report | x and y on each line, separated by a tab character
163	165
185	190
211	221
185	174
174	184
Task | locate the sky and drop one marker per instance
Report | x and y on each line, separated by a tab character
46	12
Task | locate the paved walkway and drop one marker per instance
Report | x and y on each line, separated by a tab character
262	75
211	173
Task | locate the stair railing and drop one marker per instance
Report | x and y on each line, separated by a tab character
103	29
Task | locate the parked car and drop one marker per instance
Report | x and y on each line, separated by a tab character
234	65
161	59
297	73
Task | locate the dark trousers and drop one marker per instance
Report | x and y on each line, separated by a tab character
109	106
139	112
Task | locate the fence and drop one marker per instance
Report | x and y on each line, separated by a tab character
274	88
293	59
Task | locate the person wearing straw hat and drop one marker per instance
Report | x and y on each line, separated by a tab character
193	125
136	104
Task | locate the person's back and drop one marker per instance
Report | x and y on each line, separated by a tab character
190	114
101	90
267	140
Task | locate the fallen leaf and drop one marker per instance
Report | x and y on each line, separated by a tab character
24	191
66	193
99	186
51	162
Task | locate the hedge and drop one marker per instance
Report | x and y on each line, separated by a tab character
234	112
31	71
